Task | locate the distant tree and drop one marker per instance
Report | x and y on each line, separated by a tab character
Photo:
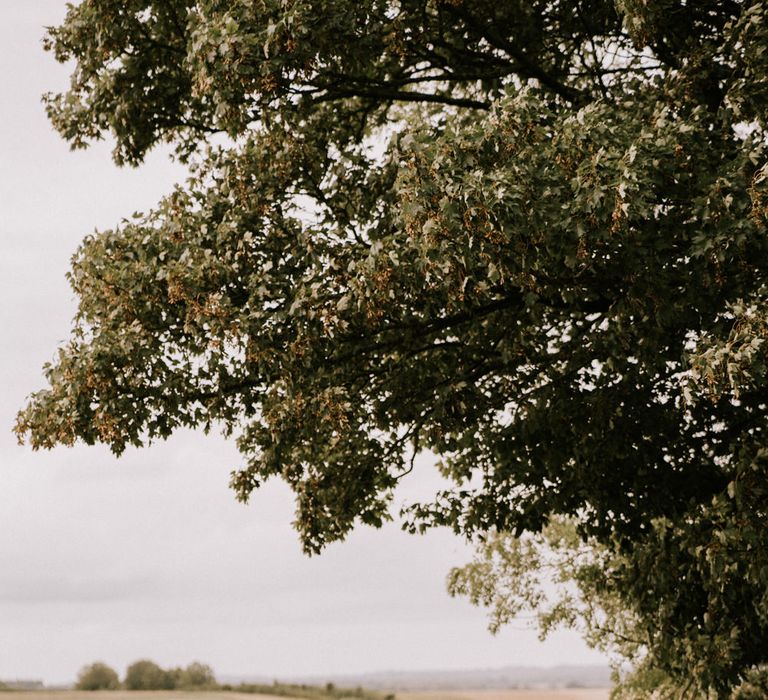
147	675
97	676
196	675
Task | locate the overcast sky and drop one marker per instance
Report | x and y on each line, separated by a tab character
150	555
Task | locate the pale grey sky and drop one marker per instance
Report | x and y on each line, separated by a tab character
150	555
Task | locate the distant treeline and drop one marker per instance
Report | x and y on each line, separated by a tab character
21	685
311	692
147	675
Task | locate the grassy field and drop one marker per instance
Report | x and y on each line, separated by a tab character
564	694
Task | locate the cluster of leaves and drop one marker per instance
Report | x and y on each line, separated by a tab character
557	579
553	576
527	236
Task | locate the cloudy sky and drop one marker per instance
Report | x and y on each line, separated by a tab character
150	555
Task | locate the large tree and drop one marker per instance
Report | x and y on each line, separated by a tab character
528	236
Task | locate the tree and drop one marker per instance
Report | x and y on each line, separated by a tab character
147	675
97	676
196	676
529	237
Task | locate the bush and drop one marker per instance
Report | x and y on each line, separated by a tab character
97	676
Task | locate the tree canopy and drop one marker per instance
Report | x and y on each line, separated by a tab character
529	237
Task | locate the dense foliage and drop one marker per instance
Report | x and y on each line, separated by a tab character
558	579
527	236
